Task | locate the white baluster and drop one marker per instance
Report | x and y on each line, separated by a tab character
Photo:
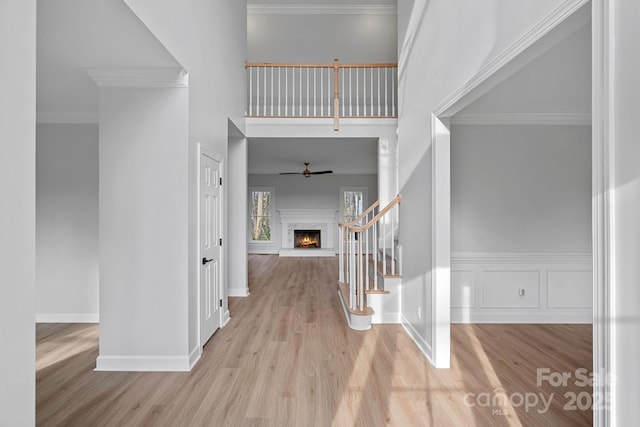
264	97
343	72
372	113
379	96
315	102
364	92
357	93
279	91
366	254
340	254
384	246
301	92
321	92
352	270
286	91
360	278
393	96
393	240
272	74
250	92
375	255
307	92
350	92
386	103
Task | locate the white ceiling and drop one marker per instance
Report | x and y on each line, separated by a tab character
342	155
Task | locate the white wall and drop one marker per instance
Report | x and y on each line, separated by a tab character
521	220
238	233
67	223
209	40
297	192
625	312
18	211
143	192
524	189
320	38
445	45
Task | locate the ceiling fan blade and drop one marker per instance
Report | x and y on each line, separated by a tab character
290	173
321	172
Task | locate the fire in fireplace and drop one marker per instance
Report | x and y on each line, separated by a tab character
306	239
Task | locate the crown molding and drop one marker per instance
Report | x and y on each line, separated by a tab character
139	77
321	9
571	119
49	117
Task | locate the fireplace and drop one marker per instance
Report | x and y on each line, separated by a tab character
320	226
307	239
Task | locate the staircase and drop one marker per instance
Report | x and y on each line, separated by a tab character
370	264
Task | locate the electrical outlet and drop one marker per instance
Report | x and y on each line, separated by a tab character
419	312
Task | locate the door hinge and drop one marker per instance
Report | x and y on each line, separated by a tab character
220	180
220	303
221	241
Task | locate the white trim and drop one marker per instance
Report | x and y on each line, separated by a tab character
520	258
50	117
143	363
225	318
322	9
67	318
194	356
517	56
563	316
551	119
139	77
422	345
238	292
441	253
603	137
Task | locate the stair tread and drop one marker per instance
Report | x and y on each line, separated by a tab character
344	289
377	292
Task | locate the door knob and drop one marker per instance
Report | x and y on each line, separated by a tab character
205	260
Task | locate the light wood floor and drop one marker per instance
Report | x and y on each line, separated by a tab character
287	358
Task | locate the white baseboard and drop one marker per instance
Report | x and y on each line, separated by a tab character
67	318
238	292
225	318
144	363
194	356
423	345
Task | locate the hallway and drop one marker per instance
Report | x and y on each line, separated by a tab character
287	358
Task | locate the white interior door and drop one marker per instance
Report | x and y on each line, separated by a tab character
210	247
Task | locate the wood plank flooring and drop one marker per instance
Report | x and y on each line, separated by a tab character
287	358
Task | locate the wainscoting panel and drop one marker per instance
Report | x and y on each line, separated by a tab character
463	288
521	288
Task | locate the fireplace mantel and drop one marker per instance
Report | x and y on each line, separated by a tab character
308	219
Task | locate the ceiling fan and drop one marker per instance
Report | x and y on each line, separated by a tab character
306	172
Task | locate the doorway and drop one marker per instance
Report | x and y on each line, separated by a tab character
210	243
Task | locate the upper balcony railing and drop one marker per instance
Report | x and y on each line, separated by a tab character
322	90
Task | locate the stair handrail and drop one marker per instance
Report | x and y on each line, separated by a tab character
362	215
359	229
358	243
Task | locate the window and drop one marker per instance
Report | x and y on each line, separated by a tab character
261	203
353	202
